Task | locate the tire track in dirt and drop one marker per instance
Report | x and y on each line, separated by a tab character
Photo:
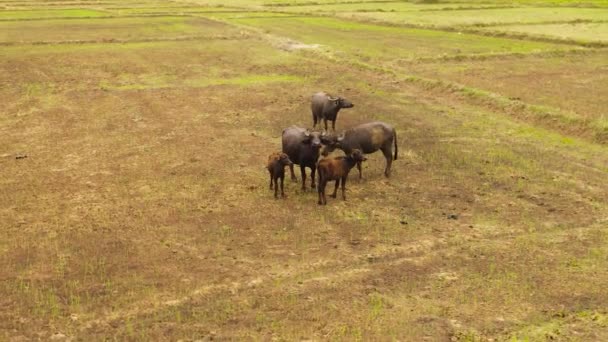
348	272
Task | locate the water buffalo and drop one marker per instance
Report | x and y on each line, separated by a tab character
276	168
369	138
326	107
336	169
302	146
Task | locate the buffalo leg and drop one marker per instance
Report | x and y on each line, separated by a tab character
333	125
303	171
293	175
336	188
325	123
314	121
359	168
344	188
320	190
270	181
389	160
312	177
282	191
276	188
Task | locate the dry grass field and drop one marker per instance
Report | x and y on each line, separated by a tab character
134	202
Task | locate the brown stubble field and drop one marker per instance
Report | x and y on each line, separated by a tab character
141	210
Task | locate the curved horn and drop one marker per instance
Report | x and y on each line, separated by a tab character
307	133
341	136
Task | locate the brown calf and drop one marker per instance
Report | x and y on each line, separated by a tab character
276	167
336	169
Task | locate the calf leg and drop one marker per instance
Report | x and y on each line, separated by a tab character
359	168
343	188
336	188
312	177
320	190
387	151
270	180
276	187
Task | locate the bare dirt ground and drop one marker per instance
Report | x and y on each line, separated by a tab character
134	201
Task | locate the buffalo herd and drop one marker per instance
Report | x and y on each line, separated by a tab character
303	147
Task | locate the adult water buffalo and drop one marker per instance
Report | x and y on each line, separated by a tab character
302	146
369	138
326	107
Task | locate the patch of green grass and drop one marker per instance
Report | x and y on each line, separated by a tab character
51	13
53	49
162	82
243	14
366	6
386	43
173	10
573	3
587	325
107	29
482	17
584	32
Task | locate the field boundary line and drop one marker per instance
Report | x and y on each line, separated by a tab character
537	38
115	16
474	29
514	5
471	29
539	23
124	41
315	3
564	122
504	56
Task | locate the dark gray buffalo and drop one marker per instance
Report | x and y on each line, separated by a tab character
326	107
303	146
369	138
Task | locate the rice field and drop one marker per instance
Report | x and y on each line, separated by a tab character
134	200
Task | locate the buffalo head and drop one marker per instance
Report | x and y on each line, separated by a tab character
340	102
313	138
331	142
358	156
